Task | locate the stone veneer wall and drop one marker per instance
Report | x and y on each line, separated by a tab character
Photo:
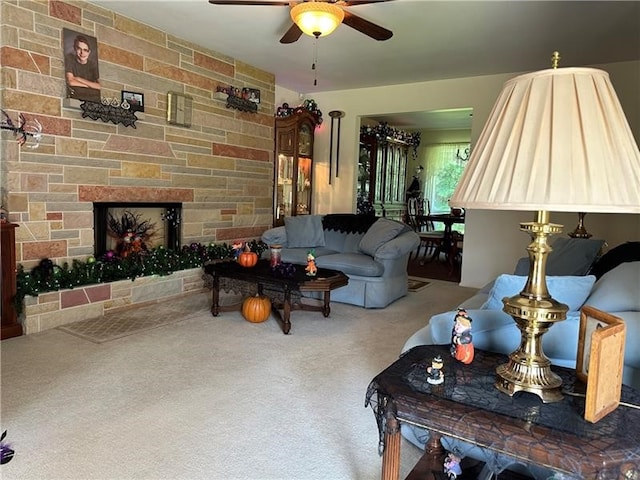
220	168
53	309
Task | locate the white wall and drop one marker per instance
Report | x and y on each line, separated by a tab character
493	241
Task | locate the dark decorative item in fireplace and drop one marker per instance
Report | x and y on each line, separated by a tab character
131	233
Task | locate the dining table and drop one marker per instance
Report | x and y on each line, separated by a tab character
448	219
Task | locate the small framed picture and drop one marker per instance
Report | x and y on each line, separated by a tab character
179	109
251	94
134	99
600	361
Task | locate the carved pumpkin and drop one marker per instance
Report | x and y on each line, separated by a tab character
248	259
256	309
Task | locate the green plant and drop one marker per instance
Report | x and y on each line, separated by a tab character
111	267
446	183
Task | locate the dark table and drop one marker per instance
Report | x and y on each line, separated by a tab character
262	275
468	407
448	219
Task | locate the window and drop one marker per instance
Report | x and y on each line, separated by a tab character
445	163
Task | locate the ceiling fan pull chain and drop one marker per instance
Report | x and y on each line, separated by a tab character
315	60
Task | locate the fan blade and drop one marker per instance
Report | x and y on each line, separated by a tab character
249	2
365	26
292	35
351	3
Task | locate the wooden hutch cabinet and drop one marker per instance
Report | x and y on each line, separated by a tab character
293	182
10	325
382	175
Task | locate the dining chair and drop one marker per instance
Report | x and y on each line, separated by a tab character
429	238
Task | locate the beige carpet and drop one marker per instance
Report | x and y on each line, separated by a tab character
209	398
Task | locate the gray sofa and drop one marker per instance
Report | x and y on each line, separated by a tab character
373	252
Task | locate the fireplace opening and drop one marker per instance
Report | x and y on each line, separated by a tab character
162	221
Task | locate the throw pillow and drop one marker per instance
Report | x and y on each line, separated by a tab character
572	291
617	290
378	234
570	256
304	231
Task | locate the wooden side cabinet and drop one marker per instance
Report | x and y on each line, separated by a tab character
10	325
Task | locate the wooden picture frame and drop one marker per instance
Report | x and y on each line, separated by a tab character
600	361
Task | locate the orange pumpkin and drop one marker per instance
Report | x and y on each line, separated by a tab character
248	259
256	309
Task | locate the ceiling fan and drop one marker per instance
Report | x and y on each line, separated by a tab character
324	15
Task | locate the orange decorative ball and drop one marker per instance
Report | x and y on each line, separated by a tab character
248	259
256	309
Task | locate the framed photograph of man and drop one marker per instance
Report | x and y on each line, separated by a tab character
81	65
134	99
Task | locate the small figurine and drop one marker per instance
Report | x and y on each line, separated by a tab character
452	466
461	345
435	375
237	248
311	267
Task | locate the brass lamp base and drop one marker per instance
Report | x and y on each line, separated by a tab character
528	369
534	311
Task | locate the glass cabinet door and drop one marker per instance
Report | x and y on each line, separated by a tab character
284	186
294	166
386	176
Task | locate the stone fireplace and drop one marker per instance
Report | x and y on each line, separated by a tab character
164	207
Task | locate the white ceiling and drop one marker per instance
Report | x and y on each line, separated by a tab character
432	39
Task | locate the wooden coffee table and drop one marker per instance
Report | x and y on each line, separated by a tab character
262	276
468	407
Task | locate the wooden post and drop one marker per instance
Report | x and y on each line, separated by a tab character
391	454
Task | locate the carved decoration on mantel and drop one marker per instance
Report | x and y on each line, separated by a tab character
108	113
237	101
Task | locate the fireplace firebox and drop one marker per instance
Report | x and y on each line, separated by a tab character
165	218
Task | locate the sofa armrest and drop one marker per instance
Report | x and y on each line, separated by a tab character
275	236
398	246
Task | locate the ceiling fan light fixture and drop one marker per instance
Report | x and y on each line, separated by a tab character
317	19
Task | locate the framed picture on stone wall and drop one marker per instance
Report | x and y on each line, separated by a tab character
81	70
251	94
134	99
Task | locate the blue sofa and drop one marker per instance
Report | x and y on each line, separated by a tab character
373	252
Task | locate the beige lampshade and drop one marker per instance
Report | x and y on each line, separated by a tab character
556	140
317	18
